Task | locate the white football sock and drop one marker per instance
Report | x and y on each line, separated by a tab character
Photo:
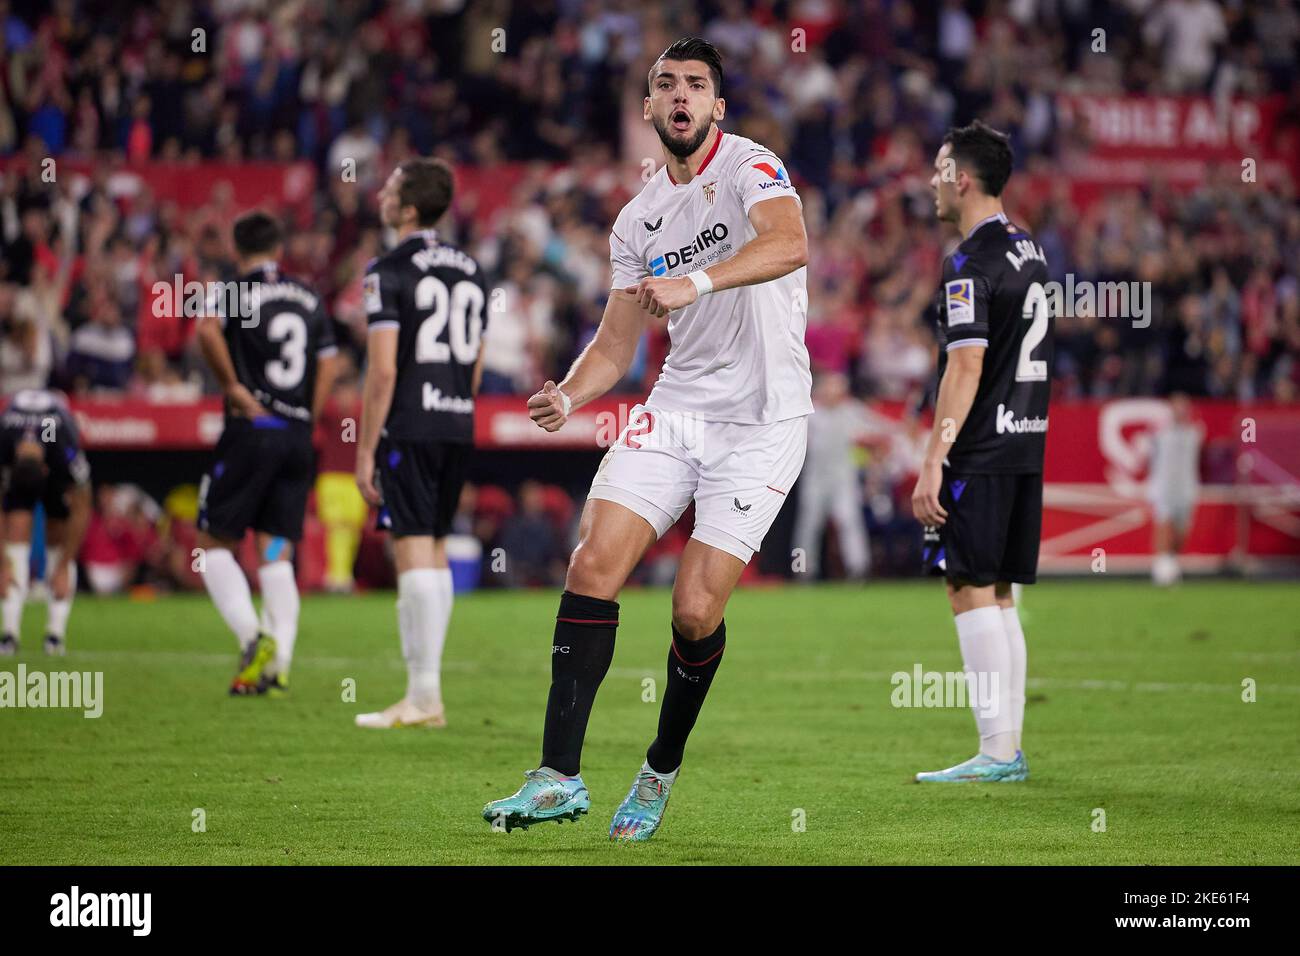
280	604
56	621
228	588
418	615
20	556
1019	660
446	597
405	624
987	662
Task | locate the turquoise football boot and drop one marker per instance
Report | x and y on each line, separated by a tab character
1022	771
980	769
642	810
545	796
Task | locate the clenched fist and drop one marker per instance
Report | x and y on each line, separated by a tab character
549	407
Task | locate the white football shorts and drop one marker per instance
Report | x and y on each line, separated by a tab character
738	475
1177	510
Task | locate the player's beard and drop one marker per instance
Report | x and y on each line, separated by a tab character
681	148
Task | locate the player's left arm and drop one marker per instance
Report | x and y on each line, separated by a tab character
779	247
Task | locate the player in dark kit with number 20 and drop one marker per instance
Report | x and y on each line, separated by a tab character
271	346
426	302
980	491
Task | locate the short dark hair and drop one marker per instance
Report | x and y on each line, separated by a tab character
257	232
427	184
984	150
695	48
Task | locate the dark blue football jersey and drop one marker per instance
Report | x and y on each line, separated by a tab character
436	297
994	294
276	329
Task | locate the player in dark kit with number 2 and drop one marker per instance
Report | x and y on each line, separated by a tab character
271	346
980	491
426	302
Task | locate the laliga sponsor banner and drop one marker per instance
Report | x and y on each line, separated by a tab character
1135	139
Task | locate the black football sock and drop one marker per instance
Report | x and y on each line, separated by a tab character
580	655
691	666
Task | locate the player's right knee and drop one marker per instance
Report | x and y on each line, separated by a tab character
593	574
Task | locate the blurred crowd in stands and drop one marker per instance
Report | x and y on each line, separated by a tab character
550	90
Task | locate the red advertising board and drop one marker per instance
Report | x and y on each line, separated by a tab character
1110	142
1172	127
1095	501
1096	468
188	185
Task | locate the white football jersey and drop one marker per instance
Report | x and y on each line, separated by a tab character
737	355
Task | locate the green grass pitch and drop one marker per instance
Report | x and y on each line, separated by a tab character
1135	708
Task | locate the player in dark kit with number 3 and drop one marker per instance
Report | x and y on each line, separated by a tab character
426	304
980	491
271	346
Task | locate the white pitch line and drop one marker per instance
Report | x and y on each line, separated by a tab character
633	673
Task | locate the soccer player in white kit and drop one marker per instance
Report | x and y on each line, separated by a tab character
1173	486
716	242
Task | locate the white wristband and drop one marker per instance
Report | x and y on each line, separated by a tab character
566	401
703	284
